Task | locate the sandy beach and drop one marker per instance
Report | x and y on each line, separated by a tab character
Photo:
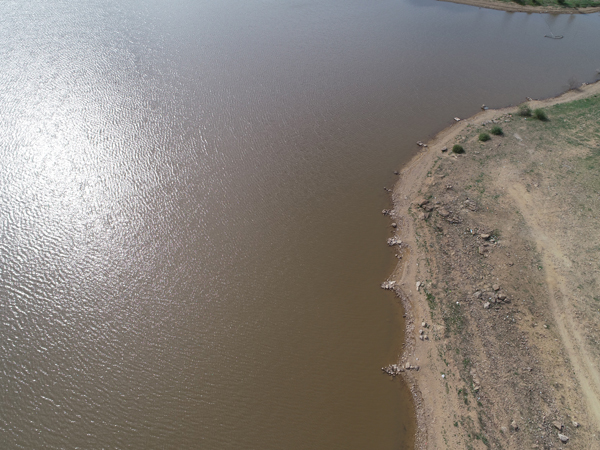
498	272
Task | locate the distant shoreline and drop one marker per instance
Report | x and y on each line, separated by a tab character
514	7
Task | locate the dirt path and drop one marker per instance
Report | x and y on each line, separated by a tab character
536	215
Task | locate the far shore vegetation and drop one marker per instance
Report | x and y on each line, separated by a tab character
556	3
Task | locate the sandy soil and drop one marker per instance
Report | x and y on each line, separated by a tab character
514	7
499	273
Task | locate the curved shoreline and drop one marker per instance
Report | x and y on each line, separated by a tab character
435	410
514	7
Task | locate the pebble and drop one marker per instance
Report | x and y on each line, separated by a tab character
514	425
444	149
575	424
486	305
394	224
496	287
564	439
484	236
557	425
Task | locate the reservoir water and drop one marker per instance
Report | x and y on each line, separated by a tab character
191	242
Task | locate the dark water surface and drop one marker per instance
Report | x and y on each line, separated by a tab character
191	241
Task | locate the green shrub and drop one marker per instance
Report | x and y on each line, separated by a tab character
524	111
497	131
540	114
457	148
484	137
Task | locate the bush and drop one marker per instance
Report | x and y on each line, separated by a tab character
456	148
497	131
484	137
540	114
524	111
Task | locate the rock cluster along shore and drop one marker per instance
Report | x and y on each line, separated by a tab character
397	369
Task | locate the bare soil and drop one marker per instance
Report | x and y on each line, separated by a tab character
499	272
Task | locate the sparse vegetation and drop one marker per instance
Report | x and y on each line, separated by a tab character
497	131
457	148
524	111
540	114
483	137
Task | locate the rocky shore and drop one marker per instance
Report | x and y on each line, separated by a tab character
498	272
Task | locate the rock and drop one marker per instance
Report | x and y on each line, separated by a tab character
575	424
456	119
416	368
502	297
564	439
386	212
422	202
407	365
514	425
396	172
418	285
484	236
470	204
557	425
421	337
485	108
504	430
444	149
424	324
394	241
477	294
425	337
424	216
496	287
388	285
421	332
394	224
486	305
442	212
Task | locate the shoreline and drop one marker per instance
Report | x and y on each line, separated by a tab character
514	7
435	410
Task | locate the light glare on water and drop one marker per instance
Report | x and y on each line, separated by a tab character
191	243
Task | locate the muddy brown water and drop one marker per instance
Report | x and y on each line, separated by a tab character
191	241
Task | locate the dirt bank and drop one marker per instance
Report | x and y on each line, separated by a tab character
515	7
500	276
